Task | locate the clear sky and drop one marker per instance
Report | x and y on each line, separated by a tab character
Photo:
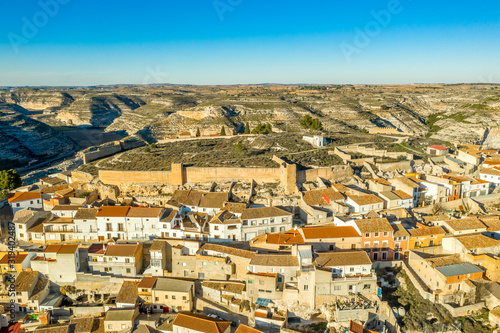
76	42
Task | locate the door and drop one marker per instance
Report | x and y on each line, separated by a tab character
375	256
63	238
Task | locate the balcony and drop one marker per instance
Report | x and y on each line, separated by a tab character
355	277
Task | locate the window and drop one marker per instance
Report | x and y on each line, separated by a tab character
20	226
272	220
264	221
250	281
386	233
337	287
384	255
173	296
283	220
110	327
109	226
157	299
351	269
366	286
166	296
376	234
127	260
184	298
128	270
253	222
124	326
204	263
201	275
216	227
306	287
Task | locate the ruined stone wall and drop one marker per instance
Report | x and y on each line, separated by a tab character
334	173
101	152
260	175
80	176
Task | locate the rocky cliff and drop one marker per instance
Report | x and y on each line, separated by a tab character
24	140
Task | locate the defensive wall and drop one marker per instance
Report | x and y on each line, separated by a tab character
180	174
108	149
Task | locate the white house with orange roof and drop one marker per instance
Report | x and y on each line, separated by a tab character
111	221
364	203
143	222
21	200
490	174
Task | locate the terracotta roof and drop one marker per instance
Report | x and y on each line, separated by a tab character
468	223
168	284
123	250
490	171
23	215
444	260
128	293
399	230
83	325
144	212
477	241
479	181
322	197
389	195
62	220
329	232
56	328
201	323
214	199
287	238
406	181
246	329
342	258
234	207
426	231
18	258
67	207
23	196
355	327
96	248
437	147
25	279
368	199
230	287
157	245
147	282
274	260
113	211
120	315
402	195
340	187
382	181
263	212
227	250
168	215
61	249
86	214
188	197
492	222
374	225
225	217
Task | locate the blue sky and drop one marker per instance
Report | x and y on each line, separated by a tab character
70	42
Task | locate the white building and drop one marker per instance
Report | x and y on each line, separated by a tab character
170	224
65	210
21	200
225	227
86	224
316	140
490	174
364	203
111	222
143	222
257	221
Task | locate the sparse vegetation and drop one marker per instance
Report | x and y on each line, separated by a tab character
308	122
9	179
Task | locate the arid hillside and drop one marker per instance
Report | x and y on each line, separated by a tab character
450	113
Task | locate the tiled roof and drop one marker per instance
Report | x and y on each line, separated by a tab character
168	215
426	231
406	181
123	250
227	250
402	195
286	238
128	293
214	199
437	147
67	207
157	245
399	230
113	211
374	225
147	282
86	214
61	248
274	260
468	223
368	199
246	329
23	196
201	323
492	222
120	315
477	241
234	207
382	181
230	287
96	248
23	215
322	197
83	325
389	195
25	279
263	212
342	258
444	260
340	187
225	217
56	328
329	232
490	171
188	197
144	212
18	258
167	284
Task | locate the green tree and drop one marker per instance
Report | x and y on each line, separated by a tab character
240	150
147	149
9	179
223	131
198	132
257	129
269	128
153	146
247	128
384	107
198	143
